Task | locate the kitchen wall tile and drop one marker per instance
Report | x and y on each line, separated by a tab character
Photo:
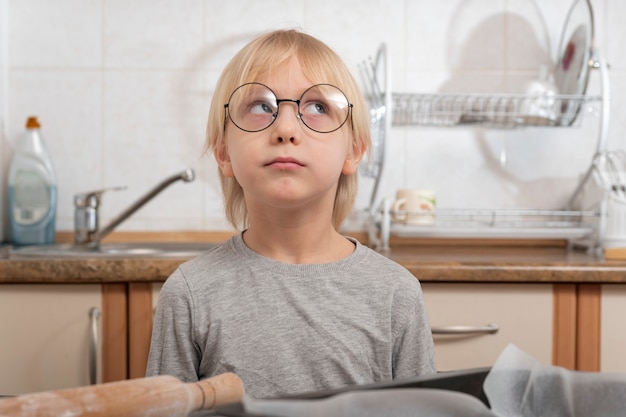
152	34
617	127
61	33
3	174
4	144
455	34
602	24
230	25
140	223
362	24
547	18
427	27
123	90
449	164
465	82
154	127
615	34
527	37
68	105
212	204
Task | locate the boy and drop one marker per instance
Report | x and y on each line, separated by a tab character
290	305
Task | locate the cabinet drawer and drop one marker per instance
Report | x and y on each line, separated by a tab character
523	313
46	334
613	336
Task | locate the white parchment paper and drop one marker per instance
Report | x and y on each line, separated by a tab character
520	386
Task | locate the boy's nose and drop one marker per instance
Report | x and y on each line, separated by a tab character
288	108
287	124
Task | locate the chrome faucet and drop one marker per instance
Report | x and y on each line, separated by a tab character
86	227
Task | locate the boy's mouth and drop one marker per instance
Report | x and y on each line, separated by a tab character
285	163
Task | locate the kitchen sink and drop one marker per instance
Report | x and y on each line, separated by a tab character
113	250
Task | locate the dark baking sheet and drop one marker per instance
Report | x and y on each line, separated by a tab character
468	381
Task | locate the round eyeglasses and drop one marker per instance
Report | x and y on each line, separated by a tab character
253	107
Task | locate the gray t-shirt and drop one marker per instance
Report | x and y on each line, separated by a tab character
291	328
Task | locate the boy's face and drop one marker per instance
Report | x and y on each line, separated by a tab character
287	165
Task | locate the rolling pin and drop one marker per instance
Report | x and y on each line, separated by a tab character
154	396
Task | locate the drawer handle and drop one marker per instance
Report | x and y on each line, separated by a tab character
94	317
490	328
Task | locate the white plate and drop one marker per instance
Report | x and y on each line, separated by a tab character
573	61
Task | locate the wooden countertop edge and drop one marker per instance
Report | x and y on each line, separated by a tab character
445	265
110	270
519	274
114	270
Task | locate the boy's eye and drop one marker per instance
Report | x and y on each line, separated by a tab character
314	107
261	107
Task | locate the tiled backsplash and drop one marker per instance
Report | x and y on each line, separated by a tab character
122	89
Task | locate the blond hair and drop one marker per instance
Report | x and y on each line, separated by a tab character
320	64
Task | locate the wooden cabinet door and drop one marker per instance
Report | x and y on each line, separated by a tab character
522	312
47	336
142	299
613	329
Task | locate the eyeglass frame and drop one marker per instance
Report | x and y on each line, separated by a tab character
289	100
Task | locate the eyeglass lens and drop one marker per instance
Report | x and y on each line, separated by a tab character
323	107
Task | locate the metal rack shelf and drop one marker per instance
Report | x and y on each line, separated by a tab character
504	218
582	222
490	110
483	223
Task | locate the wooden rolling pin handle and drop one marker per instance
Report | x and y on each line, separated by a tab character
223	389
157	396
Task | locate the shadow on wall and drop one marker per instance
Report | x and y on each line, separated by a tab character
485	63
211	59
481	62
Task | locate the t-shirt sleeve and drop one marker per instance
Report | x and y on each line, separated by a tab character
172	348
413	352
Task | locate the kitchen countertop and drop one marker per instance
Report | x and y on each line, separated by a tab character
429	263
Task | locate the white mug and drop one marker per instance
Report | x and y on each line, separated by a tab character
414	206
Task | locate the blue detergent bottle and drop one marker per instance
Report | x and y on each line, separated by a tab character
32	190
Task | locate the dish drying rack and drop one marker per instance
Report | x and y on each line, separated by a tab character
582	223
500	111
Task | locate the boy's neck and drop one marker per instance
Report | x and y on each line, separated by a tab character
304	244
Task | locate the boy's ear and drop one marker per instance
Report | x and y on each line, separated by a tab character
351	164
223	160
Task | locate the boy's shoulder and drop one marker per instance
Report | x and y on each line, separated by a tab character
378	266
215	253
374	257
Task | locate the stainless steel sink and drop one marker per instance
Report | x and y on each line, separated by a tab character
113	250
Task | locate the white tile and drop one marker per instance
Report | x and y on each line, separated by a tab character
123	91
152	34
552	15
356	28
231	24
615	34
527	36
61	33
154	127
213	201
4	158
179	204
617	129
604	23
454	34
426	34
68	105
394	171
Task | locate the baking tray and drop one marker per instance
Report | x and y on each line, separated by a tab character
468	381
